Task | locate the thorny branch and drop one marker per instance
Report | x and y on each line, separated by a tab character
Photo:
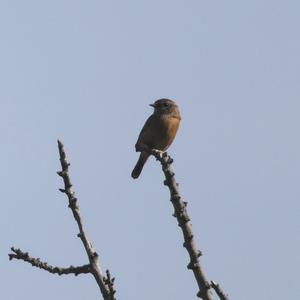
106	284
180	213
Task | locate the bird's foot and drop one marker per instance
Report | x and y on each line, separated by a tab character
159	153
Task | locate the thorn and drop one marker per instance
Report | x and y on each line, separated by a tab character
192	266
199	294
199	253
62	190
190	237
170	160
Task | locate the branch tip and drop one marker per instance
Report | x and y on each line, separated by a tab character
60	144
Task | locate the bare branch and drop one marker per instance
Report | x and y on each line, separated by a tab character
36	262
180	213
105	284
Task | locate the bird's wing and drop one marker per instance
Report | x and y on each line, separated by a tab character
146	131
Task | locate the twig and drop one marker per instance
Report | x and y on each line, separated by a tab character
36	262
105	284
180	213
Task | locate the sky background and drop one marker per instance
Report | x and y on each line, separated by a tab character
85	72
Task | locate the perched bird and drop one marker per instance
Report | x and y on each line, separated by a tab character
158	132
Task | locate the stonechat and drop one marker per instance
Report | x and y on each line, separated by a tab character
158	132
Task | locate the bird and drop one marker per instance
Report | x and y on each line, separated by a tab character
158	132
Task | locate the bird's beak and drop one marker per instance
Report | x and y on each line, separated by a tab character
152	104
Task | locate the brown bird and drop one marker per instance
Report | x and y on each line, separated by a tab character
158	132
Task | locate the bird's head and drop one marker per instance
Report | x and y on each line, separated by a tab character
166	107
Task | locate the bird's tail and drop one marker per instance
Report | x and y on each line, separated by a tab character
139	165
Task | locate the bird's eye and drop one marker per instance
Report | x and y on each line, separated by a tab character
166	104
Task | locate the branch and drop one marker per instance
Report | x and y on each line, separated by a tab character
180	213
36	262
105	284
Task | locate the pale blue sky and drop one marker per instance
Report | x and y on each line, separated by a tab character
85	72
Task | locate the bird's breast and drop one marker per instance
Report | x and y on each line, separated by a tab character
165	132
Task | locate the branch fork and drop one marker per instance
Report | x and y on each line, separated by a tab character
105	283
